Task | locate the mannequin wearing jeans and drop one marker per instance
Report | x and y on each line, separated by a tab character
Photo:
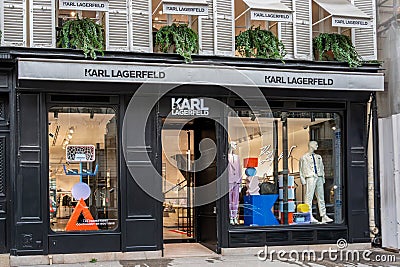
312	175
234	174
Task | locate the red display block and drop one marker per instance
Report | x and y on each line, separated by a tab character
250	162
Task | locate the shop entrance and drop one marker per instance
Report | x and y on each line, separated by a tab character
182	171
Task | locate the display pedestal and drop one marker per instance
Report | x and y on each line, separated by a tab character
258	210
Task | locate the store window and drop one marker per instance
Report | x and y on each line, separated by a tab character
83	169
285	170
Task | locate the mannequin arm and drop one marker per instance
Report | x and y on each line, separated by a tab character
302	179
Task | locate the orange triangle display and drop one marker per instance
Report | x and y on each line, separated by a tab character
73	224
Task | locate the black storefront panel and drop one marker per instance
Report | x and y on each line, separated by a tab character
140	219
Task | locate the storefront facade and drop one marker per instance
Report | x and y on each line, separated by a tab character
51	103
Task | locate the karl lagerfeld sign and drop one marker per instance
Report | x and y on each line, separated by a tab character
351	22
90	5
188	107
271	16
130	72
185	9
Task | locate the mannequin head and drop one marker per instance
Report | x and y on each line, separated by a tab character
312	146
232	146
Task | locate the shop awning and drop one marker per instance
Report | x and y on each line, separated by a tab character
185	7
271	10
345	14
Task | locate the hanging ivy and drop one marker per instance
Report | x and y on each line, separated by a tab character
178	37
259	43
82	34
333	46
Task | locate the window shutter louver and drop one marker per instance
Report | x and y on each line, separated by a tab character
206	31
302	29
13	22
42	23
365	39
141	26
224	28
118	37
287	32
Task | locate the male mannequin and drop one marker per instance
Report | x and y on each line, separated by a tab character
312	175
234	175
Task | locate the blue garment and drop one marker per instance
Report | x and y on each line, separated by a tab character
315	165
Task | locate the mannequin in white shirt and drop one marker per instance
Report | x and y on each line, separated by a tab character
312	175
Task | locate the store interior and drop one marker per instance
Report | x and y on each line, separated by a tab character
74	127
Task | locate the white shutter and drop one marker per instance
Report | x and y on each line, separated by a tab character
365	39
117	26
224	25
141	26
206	31
13	22
42	23
302	29
286	32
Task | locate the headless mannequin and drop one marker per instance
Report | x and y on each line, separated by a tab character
312	175
234	175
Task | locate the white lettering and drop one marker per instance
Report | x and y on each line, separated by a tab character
188	107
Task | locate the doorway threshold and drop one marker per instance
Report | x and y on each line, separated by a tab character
182	250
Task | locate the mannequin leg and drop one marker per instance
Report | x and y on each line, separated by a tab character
233	202
319	192
310	189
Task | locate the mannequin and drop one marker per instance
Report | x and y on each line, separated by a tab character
234	174
312	175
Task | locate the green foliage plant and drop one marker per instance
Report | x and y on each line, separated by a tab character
259	43
339	46
178	36
82	34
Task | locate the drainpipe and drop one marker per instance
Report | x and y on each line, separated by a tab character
370	157
377	191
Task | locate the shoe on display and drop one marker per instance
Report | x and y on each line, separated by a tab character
313	220
236	221
326	219
232	222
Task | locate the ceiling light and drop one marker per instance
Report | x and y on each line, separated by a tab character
160	12
71	130
156	18
73	14
69	136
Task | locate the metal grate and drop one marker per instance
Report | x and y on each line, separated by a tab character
2	166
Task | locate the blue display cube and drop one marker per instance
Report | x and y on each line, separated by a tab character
258	210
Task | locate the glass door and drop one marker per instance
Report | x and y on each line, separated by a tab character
178	180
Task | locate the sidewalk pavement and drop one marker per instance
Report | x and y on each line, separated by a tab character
248	261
